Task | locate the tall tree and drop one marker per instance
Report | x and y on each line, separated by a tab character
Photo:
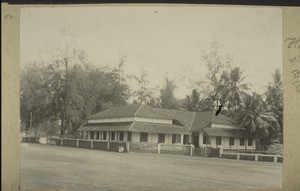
191	102
35	100
168	100
143	94
252	116
274	97
234	90
217	74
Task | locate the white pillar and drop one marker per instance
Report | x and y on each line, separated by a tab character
201	139
256	158
158	148
181	139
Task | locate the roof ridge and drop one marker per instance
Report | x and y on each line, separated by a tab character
192	121
131	125
137	110
174	109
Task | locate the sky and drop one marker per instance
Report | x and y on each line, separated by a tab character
161	40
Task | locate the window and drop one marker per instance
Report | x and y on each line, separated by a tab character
112	138
242	141
175	138
97	135
129	137
231	141
206	140
92	134
144	137
185	139
104	135
161	138
218	140
121	136
250	142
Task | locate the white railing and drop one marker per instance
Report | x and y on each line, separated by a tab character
238	155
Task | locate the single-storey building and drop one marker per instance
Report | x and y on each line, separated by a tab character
142	123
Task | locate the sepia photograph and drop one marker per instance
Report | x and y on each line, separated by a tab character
151	97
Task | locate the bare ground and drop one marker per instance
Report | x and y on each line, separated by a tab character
56	167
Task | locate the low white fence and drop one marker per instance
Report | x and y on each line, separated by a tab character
175	149
252	157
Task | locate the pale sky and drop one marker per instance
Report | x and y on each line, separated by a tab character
160	39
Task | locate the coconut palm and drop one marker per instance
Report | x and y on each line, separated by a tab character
234	90
251	116
274	97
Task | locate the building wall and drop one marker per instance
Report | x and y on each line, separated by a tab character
152	137
135	137
225	143
129	119
225	126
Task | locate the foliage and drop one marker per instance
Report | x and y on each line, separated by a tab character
233	89
68	90
143	94
274	97
168	100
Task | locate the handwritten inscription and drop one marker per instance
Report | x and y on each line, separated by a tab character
8	17
293	42
293	46
297	85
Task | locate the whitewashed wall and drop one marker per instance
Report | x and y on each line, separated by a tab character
225	126
131	119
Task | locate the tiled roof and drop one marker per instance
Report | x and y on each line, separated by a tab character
204	119
117	111
185	117
222	132
158	128
141	110
150	112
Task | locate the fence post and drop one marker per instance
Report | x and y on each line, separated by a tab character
28	139
256	158
77	143
158	148
107	145
61	142
92	144
275	158
127	147
36	140
192	146
220	152
238	156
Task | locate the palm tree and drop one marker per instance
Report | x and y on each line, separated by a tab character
274	97
234	90
251	116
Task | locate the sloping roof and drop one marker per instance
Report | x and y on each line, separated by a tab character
142	110
185	117
150	112
222	132
158	128
124	126
204	119
117	111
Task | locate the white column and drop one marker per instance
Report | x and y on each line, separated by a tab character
201	139
181	139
